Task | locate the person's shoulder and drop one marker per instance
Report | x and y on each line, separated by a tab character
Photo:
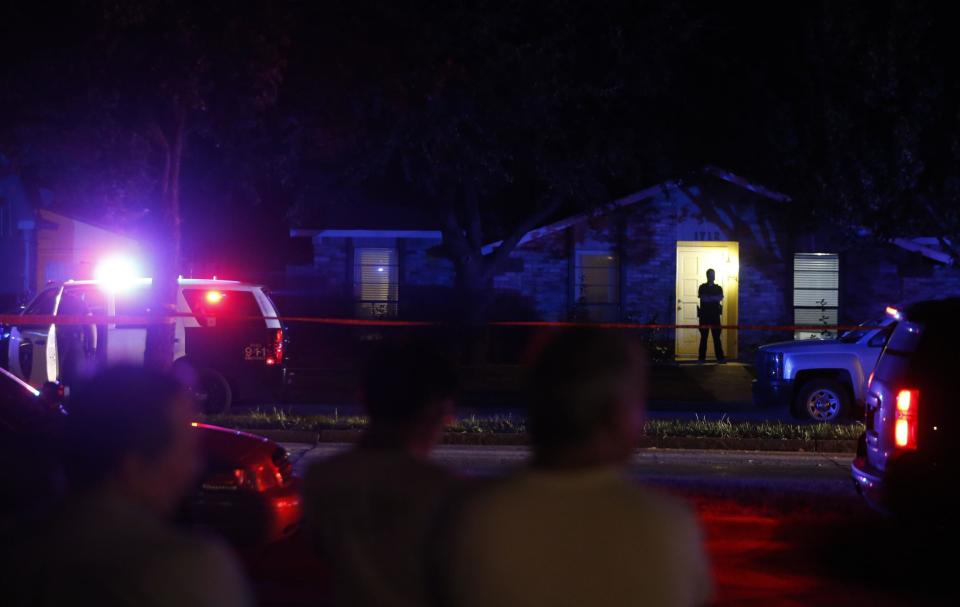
658	505
199	571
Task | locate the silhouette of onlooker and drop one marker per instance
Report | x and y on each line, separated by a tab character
130	456
572	529
369	511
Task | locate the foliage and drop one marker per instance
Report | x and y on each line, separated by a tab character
277	419
487	119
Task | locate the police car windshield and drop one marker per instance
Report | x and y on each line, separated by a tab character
857	334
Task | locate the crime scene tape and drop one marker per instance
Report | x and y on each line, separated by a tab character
135	320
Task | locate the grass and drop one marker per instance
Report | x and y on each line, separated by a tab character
277	419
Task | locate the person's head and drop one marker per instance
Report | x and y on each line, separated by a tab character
409	388
128	431
711	275
587	399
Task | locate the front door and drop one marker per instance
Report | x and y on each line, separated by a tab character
693	261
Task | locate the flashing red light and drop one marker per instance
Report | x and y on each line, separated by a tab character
905	428
277	357
213	297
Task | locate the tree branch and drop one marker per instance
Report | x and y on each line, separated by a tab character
939	220
453	236
474	223
500	254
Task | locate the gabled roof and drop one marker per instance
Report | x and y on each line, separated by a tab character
401	221
640	196
929	247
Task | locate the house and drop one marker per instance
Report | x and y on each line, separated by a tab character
40	245
640	259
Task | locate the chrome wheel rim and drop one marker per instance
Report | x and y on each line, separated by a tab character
823	405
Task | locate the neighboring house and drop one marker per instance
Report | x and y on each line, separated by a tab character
47	246
637	259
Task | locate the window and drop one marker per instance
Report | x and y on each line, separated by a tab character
375	286
816	293
82	302
597	285
229	307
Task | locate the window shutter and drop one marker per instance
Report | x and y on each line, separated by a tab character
375	282
816	293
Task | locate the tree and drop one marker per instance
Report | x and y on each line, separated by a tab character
108	116
493	118
874	122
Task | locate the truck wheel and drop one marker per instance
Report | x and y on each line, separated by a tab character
213	392
822	400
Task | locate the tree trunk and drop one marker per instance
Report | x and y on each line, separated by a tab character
161	334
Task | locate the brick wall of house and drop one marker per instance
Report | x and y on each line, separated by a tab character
873	277
941	281
649	260
323	287
426	280
537	279
766	288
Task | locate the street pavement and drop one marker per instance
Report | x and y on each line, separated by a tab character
802	472
780	528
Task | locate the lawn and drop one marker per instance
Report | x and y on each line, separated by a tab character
506	424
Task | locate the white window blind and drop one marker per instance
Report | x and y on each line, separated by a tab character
816	293
597	285
375	285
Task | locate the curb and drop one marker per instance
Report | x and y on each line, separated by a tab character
647	442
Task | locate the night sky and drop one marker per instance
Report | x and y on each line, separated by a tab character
291	110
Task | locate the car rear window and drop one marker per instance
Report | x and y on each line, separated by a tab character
223	304
894	360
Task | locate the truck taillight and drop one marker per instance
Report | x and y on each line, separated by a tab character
277	355
905	428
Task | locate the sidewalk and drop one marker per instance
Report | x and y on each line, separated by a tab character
673	387
687	384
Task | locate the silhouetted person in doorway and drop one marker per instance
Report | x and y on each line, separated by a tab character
709	311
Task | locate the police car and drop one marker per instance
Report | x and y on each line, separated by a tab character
227	336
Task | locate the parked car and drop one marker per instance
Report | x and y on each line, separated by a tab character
30	422
247	492
821	380
907	455
228	336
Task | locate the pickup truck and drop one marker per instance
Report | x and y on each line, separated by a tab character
821	380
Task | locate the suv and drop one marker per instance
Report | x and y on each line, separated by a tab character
906	456
226	332
821	379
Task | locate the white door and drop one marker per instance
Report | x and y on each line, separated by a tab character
692	265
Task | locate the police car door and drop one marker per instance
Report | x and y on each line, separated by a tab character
28	342
126	341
